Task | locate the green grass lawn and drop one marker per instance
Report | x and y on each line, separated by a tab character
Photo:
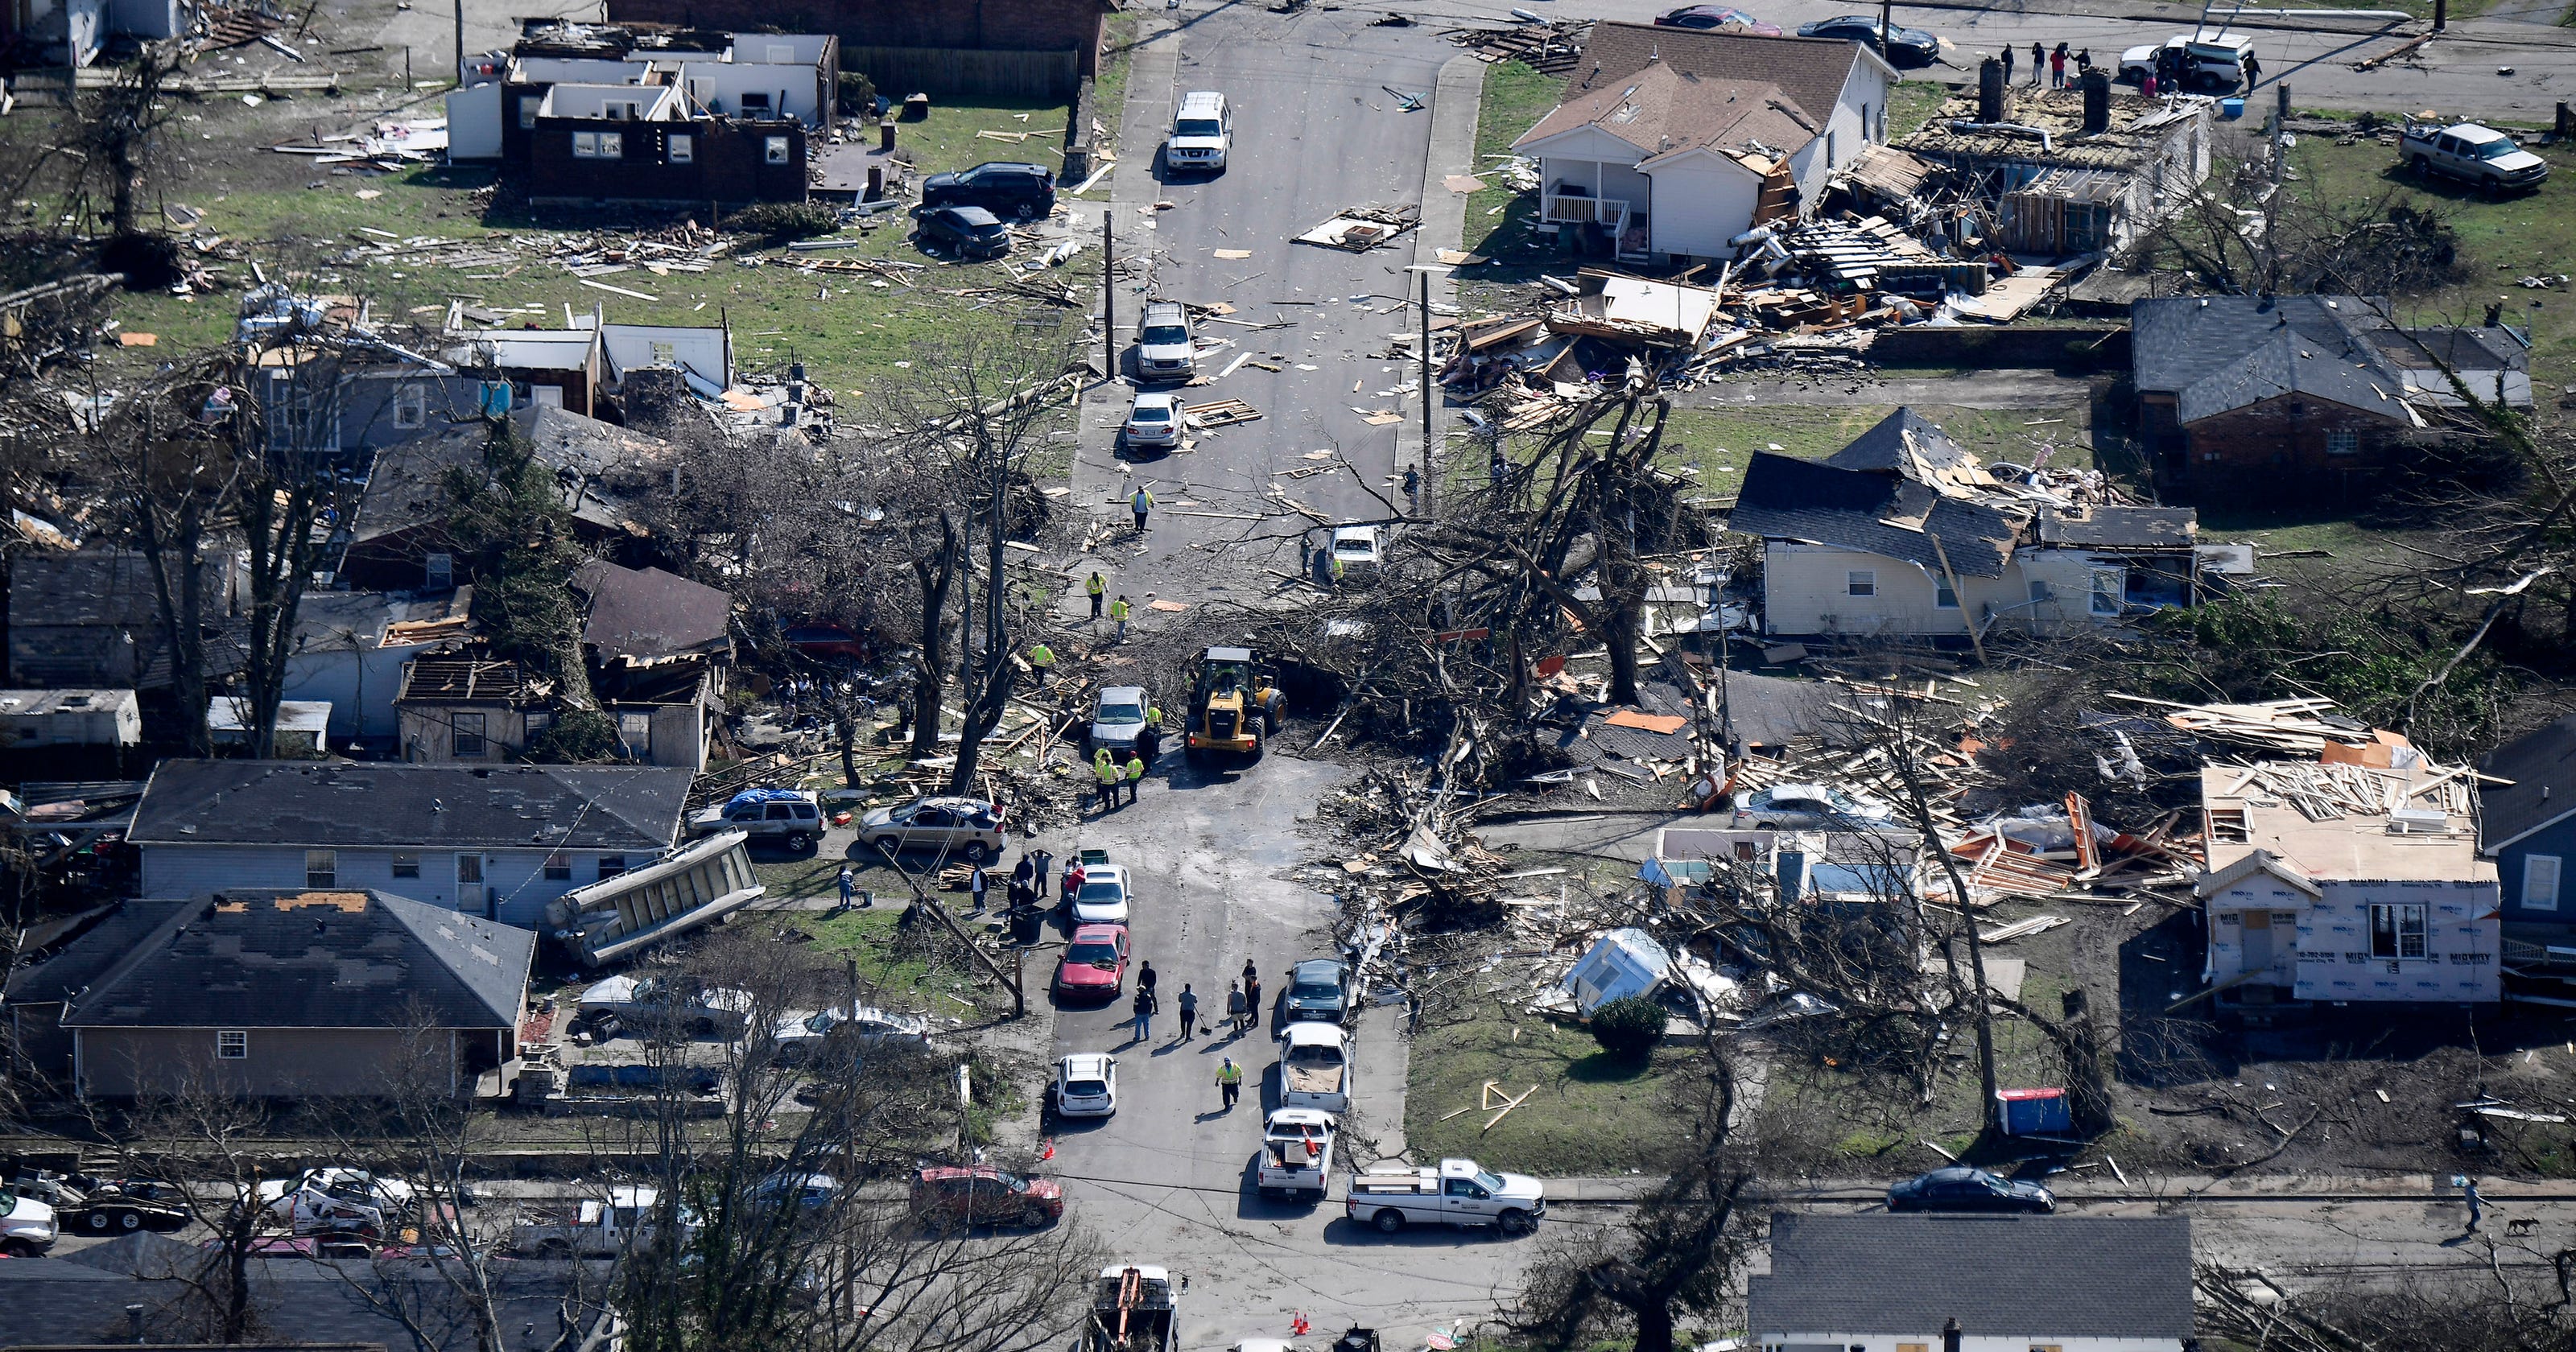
1720	441
1498	219
1591	1115
1911	104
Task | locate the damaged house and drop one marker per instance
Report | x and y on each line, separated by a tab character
1904	533
2330	883
659	646
2067	171
1673	141
2253	392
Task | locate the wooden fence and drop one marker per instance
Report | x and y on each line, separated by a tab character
950	71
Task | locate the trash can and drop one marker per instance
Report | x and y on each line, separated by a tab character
2230	109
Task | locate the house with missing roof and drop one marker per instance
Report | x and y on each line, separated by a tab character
2061	172
1672	141
2323	393
2336	884
1904	533
285	992
660	647
498	841
1876	1282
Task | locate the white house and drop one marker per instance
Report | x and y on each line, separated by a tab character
1674	140
1876	1282
498	841
2384	901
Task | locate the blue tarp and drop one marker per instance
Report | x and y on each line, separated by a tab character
760	796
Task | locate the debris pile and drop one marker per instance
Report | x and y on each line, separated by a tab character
1549	48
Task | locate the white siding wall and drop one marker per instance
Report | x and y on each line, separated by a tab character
474	122
515	889
721	84
1845	128
1806	590
2327	954
1700	203
360	685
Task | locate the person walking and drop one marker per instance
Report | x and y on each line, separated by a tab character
1098	587
2477	1204
1234	1006
849	884
1135	775
1118	612
1229	1083
1251	996
1140	504
2253	72
2008	62
976	882
1189	1007
1045	870
2038	64
1106	770
1145	977
1026	870
1149	745
2057	67
1072	878
1412	489
1041	661
2147	83
1143	1010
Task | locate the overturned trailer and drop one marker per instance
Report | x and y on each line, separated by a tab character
690	887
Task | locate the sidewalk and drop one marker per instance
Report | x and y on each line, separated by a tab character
2100	1186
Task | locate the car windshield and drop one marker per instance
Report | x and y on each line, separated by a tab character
1166	334
1086	1088
820	1023
2497	149
1096	954
1198	126
1491	1182
1144	413
1350	546
1101	892
1128	713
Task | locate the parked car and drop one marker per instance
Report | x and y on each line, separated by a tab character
1020	191
1202	132
1315	1068
1459	1192
811	1192
1810	807
1154	422
27	1226
1356	549
1296	1153
1716	16
1103	897
1117	715
1086	1085
1318	989
969	828
825	640
1961	1188
656	1004
2214	62
2479	156
109	1213
791	817
968	232
1907	48
1094	965
1165	347
803	1035
983	1195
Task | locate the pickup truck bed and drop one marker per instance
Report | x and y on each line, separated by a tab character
1310	1079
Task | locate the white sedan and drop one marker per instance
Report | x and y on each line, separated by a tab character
1155	421
1102	899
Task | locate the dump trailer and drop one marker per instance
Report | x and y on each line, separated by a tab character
1133	1309
1236	704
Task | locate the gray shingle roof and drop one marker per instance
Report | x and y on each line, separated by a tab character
2542	767
326	806
2215	354
648	615
86	956
268	958
1789	499
1811	71
2041	1277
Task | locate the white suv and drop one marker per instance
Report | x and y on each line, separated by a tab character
1202	131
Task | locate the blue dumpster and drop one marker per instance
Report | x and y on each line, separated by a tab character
2033	1112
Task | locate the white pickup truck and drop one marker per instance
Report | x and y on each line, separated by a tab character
2482	157
593	1228
1315	1068
1459	1192
1296	1153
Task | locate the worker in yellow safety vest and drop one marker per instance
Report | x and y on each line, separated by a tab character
1041	661
1106	770
1098	587
1119	611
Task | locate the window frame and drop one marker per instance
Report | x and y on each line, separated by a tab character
2095	597
466	735
411	406
679	148
232	1044
405	864
1860	582
2405	920
558	867
775	150
529	105
1943	596
326	877
2343	441
438	570
609	866
2532	866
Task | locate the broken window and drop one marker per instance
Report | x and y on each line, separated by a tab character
528	105
2397	930
777	149
599	145
2343	442
438	571
1861	582
321	868
610	865
635	732
665	353
2110	588
2540	882
1944	597
411	406
682	149
406	864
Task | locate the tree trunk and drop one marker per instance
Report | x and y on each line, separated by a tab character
2088	1077
989	694
1654	1327
935	575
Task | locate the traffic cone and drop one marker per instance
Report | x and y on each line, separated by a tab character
1298	1327
1047	1151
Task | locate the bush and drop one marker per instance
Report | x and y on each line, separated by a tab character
1629	1028
576	736
858	94
785	220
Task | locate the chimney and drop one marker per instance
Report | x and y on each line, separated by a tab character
134	1321
2097	102
1950	1336
1990	90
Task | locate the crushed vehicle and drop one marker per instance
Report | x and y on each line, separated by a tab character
803	1035
1296	1153
594	1227
1133	1309
982	1195
334	1198
1811	807
659	1005
1315	1067
2481	157
1458	1192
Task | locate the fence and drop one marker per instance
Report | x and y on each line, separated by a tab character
1970	345
950	71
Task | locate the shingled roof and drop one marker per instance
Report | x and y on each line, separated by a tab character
1785	498
1811	71
289	959
2542	767
1664	112
645	615
2215	354
2040	1277
438	807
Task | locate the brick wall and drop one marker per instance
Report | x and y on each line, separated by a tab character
729	163
2285	445
1002	25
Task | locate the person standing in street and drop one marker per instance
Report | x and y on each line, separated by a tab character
1072	878
1098	587
1143	1008
2008	62
976	882
849	885
1145	978
1027	871
2477	1204
1106	771
2038	64
1234	1006
2253	72
1118	612
1189	1007
1229	1083
1412	489
1251	995
2057	67
1140	504
1135	775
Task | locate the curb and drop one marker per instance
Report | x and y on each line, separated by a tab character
1455	103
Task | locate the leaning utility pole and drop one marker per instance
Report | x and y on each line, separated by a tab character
1427	396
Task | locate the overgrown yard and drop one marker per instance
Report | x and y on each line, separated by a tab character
1591	1114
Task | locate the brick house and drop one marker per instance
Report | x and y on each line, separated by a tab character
644	144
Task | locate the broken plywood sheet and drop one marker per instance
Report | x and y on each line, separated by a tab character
1637	310
1220	413
1631	718
2008	297
1360	229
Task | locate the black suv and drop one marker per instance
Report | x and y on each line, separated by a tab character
969	232
1318	989
1024	191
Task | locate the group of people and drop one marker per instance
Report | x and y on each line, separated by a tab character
1242	1015
2051	65
1119	610
1114	776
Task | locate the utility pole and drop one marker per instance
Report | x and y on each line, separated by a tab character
1108	300
2441	15
1428	394
1886	24
460	44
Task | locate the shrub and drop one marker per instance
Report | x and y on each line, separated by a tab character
1628	1028
785	220
858	94
578	735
